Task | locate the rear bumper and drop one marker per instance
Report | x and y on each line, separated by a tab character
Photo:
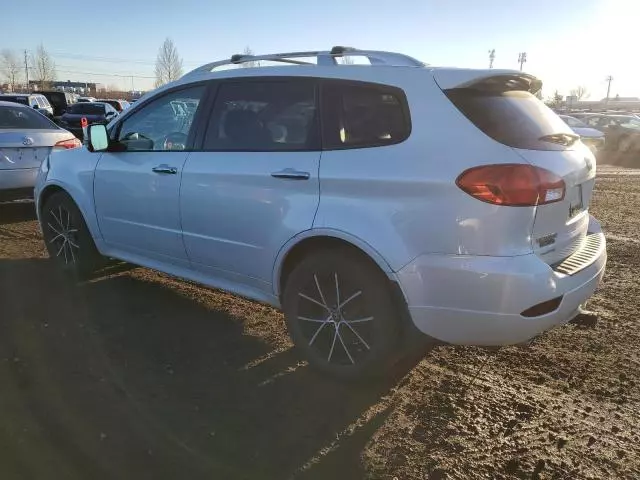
18	183
479	300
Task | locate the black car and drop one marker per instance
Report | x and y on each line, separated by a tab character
60	101
94	112
622	132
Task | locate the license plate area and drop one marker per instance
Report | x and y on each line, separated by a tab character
576	200
12	158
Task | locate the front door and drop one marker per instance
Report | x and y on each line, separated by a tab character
255	184
137	190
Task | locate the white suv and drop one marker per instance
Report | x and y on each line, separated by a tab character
362	200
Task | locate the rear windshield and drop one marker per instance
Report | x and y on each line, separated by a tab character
514	118
20	117
87	108
17	99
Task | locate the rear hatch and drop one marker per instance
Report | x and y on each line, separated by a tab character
502	105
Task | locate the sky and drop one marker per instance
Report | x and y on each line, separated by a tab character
568	42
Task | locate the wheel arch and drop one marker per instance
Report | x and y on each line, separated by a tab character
302	244
55	187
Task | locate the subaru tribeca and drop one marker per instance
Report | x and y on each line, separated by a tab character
370	203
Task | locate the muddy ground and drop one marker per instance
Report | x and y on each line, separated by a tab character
136	375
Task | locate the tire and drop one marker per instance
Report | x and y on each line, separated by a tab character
354	341
67	238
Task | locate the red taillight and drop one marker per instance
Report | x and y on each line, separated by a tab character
514	185
67	144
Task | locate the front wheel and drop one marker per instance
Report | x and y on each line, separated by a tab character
67	238
340	313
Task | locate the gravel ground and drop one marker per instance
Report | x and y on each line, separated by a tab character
136	375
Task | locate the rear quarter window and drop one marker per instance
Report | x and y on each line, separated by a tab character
361	115
514	118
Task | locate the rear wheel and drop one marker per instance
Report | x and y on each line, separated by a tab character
340	314
67	237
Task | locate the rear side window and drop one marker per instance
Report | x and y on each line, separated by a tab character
358	115
514	118
267	116
21	117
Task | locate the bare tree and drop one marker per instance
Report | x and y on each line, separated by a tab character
168	63
43	67
11	68
580	92
248	52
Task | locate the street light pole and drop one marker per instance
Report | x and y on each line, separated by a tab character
609	79
492	57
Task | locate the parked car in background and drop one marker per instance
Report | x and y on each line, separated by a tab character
86	99
119	105
370	204
34	100
26	139
622	132
60	101
94	112
591	137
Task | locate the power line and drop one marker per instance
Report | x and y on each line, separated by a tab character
78	56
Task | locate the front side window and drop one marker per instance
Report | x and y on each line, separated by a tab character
159	125
263	116
364	115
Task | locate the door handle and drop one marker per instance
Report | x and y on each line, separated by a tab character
165	169
291	174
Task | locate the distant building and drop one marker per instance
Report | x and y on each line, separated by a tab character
69	86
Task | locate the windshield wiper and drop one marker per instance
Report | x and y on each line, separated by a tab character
565	139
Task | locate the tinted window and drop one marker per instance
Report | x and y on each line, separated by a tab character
159	125
15	99
20	117
269	116
362	115
88	108
57	99
514	118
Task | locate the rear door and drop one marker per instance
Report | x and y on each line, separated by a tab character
504	109
255	184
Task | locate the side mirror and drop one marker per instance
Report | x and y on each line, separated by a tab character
98	140
36	107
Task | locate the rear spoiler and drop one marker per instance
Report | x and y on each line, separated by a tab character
486	80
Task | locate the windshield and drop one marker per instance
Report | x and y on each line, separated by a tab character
20	117
87	108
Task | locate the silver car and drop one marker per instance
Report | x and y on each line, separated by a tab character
26	139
